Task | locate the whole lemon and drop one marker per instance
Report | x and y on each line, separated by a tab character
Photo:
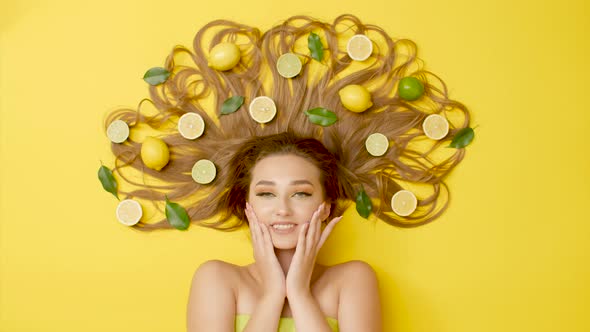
355	98
224	56
154	153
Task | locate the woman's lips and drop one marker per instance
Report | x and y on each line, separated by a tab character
283	227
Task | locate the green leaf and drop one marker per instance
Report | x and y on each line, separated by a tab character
176	215
363	204
108	181
315	46
462	138
232	104
156	75
321	116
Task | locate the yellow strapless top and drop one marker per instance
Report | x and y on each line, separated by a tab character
286	324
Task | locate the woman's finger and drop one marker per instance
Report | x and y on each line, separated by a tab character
255	227
267	238
300	249
310	239
328	230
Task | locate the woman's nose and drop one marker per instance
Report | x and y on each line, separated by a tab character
283	208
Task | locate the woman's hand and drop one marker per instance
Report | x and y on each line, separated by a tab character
271	273
311	239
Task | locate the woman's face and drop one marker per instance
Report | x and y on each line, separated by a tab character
285	192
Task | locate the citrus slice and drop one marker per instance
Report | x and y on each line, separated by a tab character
118	131
359	47
204	171
262	109
377	144
191	125
129	212
435	126
403	203
289	65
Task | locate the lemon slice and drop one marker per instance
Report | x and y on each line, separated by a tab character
191	125
377	144
129	212
435	126
262	109
403	203
289	65
359	47
118	131
204	171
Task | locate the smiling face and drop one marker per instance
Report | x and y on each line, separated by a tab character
284	192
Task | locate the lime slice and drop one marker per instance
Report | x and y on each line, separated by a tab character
191	125
204	171
403	203
118	131
289	65
359	47
435	126
377	144
129	212
262	109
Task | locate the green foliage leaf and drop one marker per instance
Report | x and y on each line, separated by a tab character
321	116
315	46
232	104
176	215
156	75
108	180
363	204
462	138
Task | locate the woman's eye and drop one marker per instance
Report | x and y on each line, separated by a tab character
264	194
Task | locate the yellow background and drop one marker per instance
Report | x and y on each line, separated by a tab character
511	253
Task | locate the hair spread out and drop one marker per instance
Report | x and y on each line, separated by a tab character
235	142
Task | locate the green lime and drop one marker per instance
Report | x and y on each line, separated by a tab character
410	88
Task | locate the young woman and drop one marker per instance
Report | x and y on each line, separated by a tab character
290	175
286	187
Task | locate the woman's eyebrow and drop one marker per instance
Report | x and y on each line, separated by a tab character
296	182
271	183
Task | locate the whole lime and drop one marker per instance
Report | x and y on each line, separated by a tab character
410	88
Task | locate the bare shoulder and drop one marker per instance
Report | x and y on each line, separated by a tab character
359	304
211	303
356	271
216	271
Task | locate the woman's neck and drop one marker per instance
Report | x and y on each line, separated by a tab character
285	256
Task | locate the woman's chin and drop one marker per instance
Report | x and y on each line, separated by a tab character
284	244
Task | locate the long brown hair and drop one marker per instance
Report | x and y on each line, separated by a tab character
410	161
